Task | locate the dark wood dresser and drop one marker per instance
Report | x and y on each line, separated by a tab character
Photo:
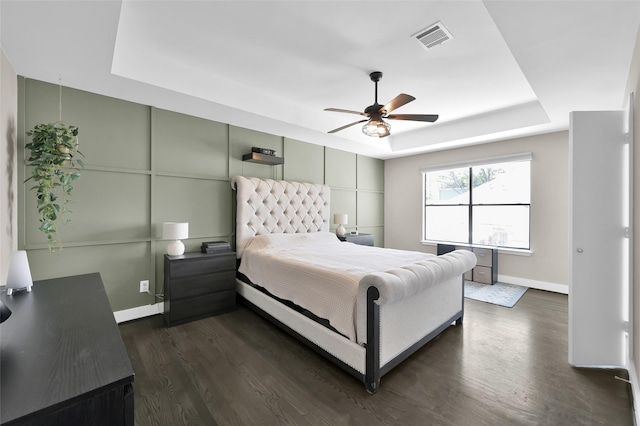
63	361
197	285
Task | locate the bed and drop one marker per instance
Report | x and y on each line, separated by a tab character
365	308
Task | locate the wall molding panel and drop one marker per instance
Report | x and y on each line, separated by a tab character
145	166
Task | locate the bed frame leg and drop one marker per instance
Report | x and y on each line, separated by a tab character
372	387
372	374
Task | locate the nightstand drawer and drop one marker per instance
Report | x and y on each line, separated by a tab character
484	256
482	274
200	307
196	266
486	270
198	285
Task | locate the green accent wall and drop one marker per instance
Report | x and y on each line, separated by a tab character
145	166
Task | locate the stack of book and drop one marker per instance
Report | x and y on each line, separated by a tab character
264	151
215	247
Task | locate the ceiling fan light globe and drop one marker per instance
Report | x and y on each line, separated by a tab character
376	128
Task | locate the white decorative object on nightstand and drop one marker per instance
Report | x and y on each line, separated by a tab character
340	219
175	231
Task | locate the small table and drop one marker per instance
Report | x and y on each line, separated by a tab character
361	239
486	270
197	285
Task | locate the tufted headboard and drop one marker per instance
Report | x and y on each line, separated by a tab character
266	206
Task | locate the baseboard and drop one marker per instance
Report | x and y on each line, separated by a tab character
635	390
138	312
158	308
539	285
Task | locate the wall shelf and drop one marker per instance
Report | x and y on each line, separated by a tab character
254	157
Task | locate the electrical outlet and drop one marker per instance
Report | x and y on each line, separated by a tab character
144	286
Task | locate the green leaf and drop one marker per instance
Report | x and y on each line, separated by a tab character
51	160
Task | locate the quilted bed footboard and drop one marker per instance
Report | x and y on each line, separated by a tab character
401	309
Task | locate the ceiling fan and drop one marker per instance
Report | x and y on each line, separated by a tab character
376	127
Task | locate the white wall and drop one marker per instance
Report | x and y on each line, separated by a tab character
633	85
547	266
8	182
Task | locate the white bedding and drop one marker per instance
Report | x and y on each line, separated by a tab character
319	272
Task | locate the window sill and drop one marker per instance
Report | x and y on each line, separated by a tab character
501	250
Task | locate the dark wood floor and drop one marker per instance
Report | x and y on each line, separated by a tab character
501	367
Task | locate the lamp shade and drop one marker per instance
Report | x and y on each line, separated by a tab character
19	276
175	231
340	218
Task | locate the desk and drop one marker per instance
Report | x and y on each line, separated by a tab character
62	358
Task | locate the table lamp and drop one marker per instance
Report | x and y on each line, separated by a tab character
340	219
175	231
19	277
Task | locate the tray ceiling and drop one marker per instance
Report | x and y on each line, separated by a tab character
511	69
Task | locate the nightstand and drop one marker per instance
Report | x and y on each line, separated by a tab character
485	271
361	239
197	285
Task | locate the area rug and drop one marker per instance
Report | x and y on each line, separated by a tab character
502	294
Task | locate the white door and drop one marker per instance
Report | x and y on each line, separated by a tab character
598	292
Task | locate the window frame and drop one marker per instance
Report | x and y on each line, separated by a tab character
470	203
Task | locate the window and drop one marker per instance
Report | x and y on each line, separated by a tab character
487	202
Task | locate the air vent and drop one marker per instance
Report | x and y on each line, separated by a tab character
433	35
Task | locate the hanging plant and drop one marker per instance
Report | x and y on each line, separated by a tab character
53	168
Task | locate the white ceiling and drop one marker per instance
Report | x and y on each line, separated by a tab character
513	68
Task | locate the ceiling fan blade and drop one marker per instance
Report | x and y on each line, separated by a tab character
348	111
397	102
413	117
348	125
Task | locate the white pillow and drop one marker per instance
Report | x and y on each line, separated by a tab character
261	242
